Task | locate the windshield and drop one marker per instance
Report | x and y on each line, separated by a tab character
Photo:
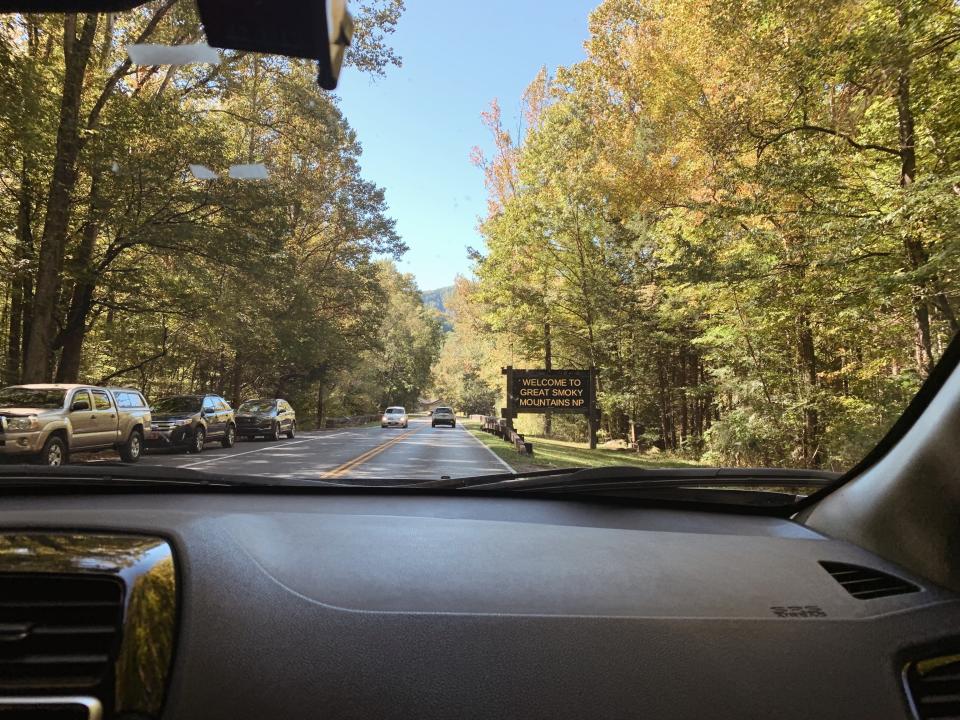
19	397
257	406
643	233
180	404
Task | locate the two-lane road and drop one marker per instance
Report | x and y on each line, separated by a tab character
418	452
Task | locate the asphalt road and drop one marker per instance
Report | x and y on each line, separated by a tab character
418	452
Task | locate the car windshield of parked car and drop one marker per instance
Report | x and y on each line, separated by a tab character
16	397
257	406
174	405
659	234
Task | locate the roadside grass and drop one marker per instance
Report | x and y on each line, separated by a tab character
550	453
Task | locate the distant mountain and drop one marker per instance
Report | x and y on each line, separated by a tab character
438	299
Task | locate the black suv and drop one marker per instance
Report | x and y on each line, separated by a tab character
271	418
190	421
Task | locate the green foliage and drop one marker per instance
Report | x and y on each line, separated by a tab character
744	214
176	284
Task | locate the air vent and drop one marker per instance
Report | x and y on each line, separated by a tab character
934	687
58	633
38	708
866	583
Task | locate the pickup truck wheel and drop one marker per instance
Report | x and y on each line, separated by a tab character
131	450
197	441
54	452
229	437
292	432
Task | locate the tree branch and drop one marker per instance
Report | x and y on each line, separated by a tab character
123	67
140	365
767	142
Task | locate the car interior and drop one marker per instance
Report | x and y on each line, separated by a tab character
126	594
213	601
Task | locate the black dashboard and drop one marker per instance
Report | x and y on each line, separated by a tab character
436	606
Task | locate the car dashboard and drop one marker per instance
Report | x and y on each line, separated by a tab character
363	605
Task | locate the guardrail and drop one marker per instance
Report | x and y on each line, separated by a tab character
498	426
350	420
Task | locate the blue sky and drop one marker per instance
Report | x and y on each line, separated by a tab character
418	124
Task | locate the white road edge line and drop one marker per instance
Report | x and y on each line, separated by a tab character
499	459
248	452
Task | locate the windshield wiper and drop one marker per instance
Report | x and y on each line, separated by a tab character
621	477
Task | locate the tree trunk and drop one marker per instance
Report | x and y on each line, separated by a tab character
81	301
20	300
916	252
682	386
237	384
68	370
64	178
320	405
548	365
812	454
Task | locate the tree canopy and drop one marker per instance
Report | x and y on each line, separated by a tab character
119	265
743	214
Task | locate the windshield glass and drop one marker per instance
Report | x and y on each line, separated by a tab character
13	397
257	406
180	404
664	234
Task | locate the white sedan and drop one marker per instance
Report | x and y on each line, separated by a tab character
394	417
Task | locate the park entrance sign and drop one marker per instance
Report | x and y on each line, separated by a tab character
552	391
538	391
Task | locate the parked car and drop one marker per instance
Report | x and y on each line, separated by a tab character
191	421
47	422
394	417
270	418
443	416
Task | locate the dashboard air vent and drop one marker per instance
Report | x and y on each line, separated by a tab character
934	687
58	632
866	583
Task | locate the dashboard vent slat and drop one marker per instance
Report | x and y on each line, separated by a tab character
866	583
934	687
59	631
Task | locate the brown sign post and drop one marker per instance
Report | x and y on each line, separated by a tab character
554	391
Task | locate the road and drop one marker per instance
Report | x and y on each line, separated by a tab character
418	452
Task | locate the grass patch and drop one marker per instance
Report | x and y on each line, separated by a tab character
549	453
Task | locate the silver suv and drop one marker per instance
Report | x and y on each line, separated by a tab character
443	416
48	422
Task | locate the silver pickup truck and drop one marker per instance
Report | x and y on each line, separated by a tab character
48	422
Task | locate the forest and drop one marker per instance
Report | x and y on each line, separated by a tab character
745	215
119	264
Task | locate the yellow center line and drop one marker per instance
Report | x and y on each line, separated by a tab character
369	454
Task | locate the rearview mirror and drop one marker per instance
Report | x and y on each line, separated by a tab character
80	405
318	31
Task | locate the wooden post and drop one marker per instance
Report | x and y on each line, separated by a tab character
594	414
509	412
